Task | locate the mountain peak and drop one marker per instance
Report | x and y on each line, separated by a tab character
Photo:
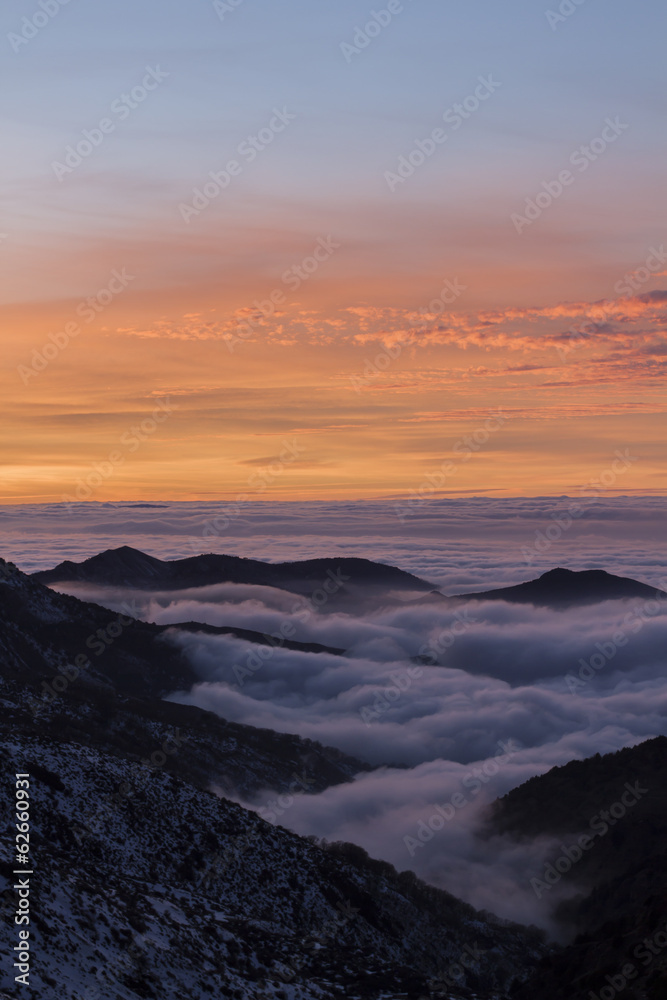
125	566
561	588
122	552
560	572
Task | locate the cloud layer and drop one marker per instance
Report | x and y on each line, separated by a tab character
433	692
460	543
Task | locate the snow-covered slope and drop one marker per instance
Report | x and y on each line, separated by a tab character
146	886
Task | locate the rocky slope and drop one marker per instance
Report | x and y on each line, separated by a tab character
145	886
76	671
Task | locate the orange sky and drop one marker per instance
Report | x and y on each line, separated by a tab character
378	323
326	393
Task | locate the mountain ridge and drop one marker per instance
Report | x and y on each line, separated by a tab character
615	878
561	587
162	890
125	566
70	666
150	885
558	588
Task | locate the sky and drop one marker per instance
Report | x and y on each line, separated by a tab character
433	249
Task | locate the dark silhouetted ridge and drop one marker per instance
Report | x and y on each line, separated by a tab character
560	588
619	801
128	567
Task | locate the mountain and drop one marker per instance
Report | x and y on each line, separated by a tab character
150	881
148	887
121	650
562	588
613	888
128	567
74	669
145	884
259	638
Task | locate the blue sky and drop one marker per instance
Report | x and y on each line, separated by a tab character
353	119
358	118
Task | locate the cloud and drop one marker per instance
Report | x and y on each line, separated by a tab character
506	680
441	729
463	544
559	684
505	674
428	819
529	330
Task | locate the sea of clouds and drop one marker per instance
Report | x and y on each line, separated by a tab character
453	702
459	543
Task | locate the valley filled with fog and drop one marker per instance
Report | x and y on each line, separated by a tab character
452	701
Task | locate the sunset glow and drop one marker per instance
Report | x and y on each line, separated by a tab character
286	238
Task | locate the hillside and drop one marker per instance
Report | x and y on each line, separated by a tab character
145	884
562	588
75	671
619	802
127	567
